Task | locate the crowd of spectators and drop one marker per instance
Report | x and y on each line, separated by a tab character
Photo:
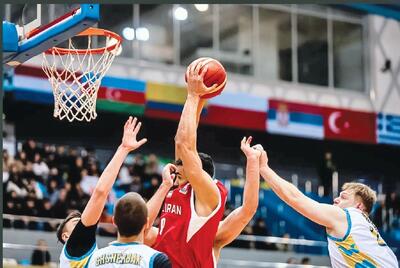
50	181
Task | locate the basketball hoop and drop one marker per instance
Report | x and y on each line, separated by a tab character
75	74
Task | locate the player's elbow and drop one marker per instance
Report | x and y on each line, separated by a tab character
100	192
249	211
219	243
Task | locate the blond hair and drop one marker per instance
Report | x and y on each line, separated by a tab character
367	195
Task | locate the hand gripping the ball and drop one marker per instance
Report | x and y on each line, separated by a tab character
195	78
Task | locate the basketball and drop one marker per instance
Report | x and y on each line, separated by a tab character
215	74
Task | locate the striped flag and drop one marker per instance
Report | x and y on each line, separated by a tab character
388	128
293	119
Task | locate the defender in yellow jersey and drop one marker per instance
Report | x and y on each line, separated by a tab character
353	240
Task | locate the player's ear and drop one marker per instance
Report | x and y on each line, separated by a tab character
112	220
361	206
64	236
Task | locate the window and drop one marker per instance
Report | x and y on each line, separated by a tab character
236	38
275	50
312	50
348	56
196	33
156	33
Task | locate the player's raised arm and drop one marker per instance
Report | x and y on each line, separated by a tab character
199	106
94	207
156	201
185	143
323	214
237	220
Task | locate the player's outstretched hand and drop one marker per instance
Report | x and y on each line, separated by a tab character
129	140
263	159
168	175
195	76
250	152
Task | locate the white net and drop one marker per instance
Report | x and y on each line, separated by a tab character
75	78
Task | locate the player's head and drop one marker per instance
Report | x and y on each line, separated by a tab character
356	195
206	162
65	229
130	215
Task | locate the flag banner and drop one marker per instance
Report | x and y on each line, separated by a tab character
388	128
293	119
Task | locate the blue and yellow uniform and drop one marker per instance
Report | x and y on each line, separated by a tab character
132	254
362	246
79	247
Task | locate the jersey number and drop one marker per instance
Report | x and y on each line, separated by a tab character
162	225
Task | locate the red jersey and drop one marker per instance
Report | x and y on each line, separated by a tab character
184	236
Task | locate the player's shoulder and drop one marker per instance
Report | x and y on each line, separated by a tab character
100	251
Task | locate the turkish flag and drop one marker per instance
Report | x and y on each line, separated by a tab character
349	125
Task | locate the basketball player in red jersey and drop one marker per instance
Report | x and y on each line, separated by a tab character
191	213
237	220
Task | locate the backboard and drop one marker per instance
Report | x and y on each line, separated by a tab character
40	27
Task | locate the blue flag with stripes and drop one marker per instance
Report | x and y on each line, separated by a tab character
388	128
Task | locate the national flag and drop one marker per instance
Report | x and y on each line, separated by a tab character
340	124
388	128
294	119
236	110
121	95
166	101
232	117
30	84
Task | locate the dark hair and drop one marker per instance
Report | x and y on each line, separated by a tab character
61	227
130	214
206	162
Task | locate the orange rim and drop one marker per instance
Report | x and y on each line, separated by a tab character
90	32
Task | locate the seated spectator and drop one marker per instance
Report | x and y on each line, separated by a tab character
41	255
305	261
125	179
76	197
260	228
21	160
152	166
60	207
7	163
285	247
52	191
138	165
152	188
88	182
40	168
32	209
16	184
46	212
75	173
29	147
9	208
292	260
